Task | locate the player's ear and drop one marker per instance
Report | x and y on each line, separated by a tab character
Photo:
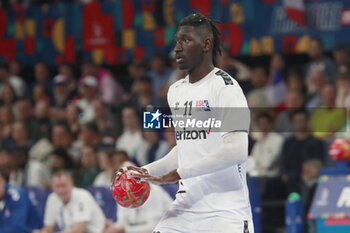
207	45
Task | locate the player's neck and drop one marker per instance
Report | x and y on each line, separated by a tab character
200	72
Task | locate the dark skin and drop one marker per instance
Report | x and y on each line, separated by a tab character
193	53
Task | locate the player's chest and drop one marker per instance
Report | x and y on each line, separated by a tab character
191	98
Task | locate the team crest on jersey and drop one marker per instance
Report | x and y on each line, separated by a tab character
204	104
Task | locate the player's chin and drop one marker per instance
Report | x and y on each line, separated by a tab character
182	66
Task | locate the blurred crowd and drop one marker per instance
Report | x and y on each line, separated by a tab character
80	116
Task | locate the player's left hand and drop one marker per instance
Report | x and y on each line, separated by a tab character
171	177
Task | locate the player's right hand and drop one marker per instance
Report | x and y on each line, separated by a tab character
121	171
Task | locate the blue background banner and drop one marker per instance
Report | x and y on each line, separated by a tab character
121	31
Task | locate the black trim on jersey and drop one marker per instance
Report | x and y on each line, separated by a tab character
181	191
245	230
225	77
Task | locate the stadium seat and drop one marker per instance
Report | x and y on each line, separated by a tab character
104	198
37	196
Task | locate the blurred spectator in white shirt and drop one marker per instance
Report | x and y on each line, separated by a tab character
71	209
266	150
109	89
131	139
105	162
319	63
89	92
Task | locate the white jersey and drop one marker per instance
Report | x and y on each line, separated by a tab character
81	208
222	193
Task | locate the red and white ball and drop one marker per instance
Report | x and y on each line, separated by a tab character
339	150
129	192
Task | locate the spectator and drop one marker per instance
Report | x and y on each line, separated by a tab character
341	58
89	135
277	64
258	96
144	218
343	90
297	149
311	170
131	139
17	84
283	124
156	148
42	77
89	93
71	209
266	151
310	173
27	172
6	121
136	70
8	97
144	96
61	137
60	160
159	72
319	81
19	137
66	70
42	121
86	175
232	66
16	80
60	98
23	112
105	162
169	135
176	75
295	82
17	214
327	119
106	123
72	118
319	63
39	93
110	91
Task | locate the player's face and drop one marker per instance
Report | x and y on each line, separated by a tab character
62	186
188	47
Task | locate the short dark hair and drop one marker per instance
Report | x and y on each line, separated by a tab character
341	48
265	115
318	40
299	111
60	173
199	20
122	153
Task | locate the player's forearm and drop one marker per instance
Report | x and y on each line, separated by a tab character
166	164
233	151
